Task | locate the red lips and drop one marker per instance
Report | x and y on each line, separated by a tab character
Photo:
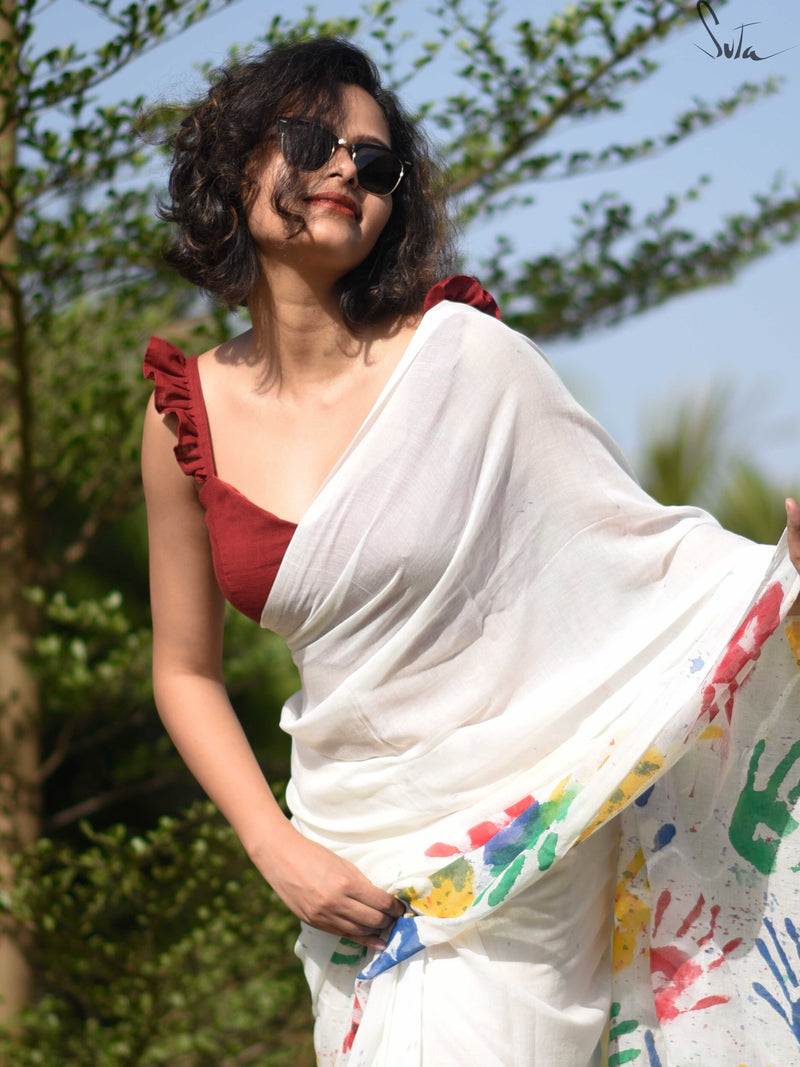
338	202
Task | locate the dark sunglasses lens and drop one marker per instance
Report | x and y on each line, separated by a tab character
306	146
379	170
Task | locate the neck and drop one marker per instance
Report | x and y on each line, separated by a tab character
298	335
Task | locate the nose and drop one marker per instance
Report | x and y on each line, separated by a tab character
341	162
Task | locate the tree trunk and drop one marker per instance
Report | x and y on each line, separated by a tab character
19	751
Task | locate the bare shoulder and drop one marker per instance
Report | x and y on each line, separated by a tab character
186	603
159	466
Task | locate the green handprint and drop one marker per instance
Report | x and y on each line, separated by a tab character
617	1057
757	807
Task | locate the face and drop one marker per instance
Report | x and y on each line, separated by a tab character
343	221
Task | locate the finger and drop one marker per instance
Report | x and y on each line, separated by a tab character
372	926
398	908
793	526
372	938
369	942
368	920
381	901
374	942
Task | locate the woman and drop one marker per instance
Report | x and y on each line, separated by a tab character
501	639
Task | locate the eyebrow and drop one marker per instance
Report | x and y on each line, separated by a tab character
369	138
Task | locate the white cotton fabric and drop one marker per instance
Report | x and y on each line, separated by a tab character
485	607
530	984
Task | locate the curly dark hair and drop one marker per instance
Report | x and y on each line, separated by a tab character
225	137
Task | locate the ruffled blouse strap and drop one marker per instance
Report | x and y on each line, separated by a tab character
462	289
178	393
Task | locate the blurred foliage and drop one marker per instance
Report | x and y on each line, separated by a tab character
692	455
157	943
164	948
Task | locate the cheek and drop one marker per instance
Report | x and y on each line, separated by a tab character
381	216
262	216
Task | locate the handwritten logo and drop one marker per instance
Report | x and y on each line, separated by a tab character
734	50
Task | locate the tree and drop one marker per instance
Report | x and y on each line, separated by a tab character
81	284
18	700
53	249
549	79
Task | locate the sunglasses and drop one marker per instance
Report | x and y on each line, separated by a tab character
307	146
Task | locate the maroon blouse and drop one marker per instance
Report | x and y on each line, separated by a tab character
247	543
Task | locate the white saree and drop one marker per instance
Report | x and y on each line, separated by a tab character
524	682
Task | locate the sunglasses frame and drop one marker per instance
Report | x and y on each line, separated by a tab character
340	142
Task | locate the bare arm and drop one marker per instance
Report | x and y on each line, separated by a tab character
322	889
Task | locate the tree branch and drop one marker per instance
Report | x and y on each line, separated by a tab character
92	805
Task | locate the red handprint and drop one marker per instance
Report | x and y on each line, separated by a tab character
676	970
742	651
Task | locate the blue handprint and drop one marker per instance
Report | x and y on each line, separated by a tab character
650	1045
786	977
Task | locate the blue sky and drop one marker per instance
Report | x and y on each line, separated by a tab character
742	335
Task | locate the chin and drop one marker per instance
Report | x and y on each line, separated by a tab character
328	253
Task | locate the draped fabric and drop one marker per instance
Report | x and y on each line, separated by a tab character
515	667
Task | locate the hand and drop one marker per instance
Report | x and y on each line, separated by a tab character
328	892
793	526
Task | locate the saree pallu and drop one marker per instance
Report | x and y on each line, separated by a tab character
515	667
